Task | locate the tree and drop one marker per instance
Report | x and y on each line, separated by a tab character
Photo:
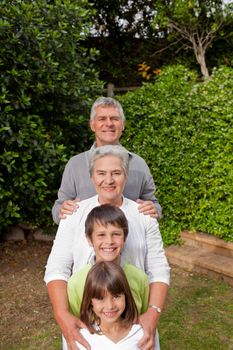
193	24
122	29
116	18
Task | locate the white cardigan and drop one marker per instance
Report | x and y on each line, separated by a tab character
143	247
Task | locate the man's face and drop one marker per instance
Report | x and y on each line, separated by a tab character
107	126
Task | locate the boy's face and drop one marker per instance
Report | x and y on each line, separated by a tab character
108	242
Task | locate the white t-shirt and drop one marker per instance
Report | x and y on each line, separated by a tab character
101	342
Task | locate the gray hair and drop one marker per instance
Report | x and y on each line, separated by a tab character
110	150
107	102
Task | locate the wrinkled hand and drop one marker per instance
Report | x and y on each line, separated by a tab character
68	207
147	208
149	326
70	326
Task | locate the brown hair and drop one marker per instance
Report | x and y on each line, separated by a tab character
106	276
106	214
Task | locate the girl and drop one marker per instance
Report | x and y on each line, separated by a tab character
108	310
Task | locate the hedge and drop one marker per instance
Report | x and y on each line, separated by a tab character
183	129
48	82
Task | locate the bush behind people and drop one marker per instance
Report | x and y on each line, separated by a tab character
183	129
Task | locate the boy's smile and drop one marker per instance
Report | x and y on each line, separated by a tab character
108	242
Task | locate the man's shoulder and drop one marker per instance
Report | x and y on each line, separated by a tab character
136	161
78	157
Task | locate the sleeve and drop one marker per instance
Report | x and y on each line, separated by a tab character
144	293
148	188
75	288
66	191
60	261
156	264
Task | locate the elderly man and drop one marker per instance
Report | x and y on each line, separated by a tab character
107	122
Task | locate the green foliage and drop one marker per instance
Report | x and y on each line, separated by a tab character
30	160
45	68
48	83
184	132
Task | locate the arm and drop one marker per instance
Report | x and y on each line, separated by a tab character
60	260
148	208
158	271
67	191
68	208
156	264
150	204
149	320
68	323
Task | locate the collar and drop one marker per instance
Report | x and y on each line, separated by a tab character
93	147
92	261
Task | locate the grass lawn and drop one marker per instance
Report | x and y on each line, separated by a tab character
198	313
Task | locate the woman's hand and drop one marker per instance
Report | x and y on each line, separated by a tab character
69	324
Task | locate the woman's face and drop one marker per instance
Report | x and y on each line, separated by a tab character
109	179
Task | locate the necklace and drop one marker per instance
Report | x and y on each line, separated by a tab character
98	329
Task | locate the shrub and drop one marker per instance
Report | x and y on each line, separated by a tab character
29	161
184	132
48	82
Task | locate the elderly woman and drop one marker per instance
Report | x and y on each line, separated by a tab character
143	248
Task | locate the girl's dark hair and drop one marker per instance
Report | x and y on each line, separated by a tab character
106	276
106	214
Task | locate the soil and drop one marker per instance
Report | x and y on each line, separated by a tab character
26	313
26	317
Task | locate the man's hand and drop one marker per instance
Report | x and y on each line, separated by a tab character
147	208
68	207
149	324
70	326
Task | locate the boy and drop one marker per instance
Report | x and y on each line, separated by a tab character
106	229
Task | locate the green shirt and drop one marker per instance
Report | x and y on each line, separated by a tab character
138	282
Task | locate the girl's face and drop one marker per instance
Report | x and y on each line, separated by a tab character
109	308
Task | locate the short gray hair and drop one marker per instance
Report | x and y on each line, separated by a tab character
107	102
110	150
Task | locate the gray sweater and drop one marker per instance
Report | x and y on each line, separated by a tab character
76	182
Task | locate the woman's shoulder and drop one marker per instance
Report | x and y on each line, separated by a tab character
88	203
131	211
